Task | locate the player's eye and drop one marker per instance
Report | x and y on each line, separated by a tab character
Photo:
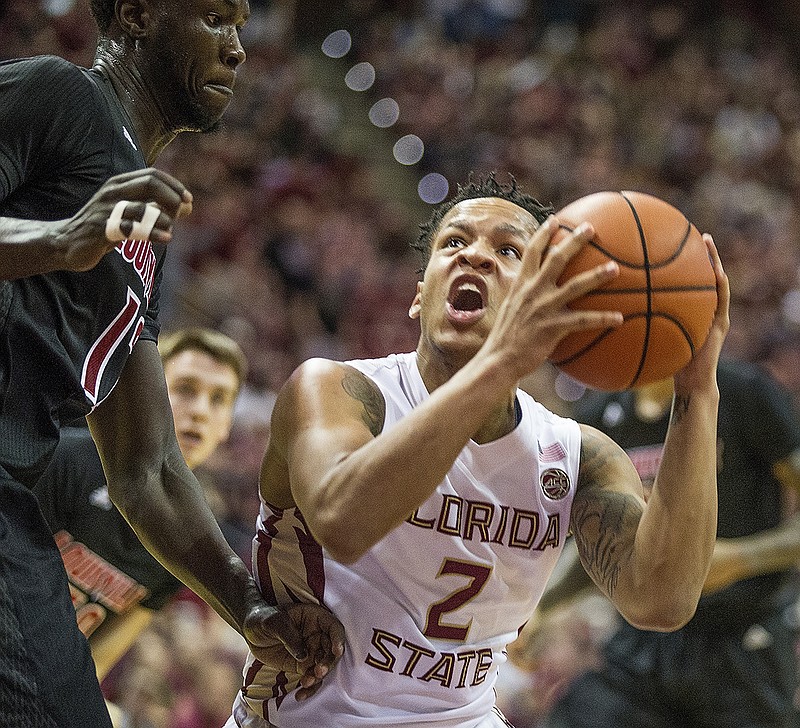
218	399
214	20
510	251
454	243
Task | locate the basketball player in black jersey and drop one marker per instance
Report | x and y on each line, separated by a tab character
83	223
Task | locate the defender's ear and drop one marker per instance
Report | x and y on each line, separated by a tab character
133	17
413	311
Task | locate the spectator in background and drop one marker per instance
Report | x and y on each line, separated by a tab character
779	353
734	663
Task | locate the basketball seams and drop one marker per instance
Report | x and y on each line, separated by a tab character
580	352
664	291
605	333
649	293
638	266
654	289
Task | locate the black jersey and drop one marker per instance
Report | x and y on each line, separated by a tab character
756	427
109	569
65	336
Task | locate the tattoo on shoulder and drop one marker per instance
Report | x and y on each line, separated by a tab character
603	520
362	390
680	407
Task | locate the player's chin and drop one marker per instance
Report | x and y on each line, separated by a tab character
205	113
191	449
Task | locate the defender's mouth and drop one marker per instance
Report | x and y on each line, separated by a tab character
220	89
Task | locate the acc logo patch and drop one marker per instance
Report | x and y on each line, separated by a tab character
555	483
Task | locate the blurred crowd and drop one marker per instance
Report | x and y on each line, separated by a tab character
299	241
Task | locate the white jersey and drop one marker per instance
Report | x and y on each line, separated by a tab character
429	610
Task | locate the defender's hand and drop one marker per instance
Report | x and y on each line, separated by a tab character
304	640
137	205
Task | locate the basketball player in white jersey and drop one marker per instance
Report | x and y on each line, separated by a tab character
424	498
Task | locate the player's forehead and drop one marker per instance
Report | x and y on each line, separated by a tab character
200	366
490	214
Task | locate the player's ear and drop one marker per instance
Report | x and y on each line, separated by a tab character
413	311
133	17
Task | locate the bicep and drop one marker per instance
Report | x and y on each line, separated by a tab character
607	508
133	426
326	412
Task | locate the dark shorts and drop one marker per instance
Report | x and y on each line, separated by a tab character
743	679
47	677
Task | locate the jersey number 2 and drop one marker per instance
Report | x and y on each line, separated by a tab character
477	574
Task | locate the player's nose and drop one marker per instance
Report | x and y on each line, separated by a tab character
201	407
477	255
233	54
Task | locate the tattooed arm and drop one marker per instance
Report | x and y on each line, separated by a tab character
651	559
353	482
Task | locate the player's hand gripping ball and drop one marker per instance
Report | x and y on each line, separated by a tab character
666	291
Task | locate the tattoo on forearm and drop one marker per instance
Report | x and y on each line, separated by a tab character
680	407
362	390
603	520
602	524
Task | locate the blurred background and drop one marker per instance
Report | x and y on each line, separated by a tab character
352	118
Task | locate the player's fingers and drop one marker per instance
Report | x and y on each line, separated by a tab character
333	630
277	626
716	261
324	628
539	242
137	221
294	645
304	693
587	281
723	284
565	248
147	176
309	678
150	185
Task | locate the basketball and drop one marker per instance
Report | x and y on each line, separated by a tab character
666	291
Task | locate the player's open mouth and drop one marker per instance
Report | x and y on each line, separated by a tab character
466	300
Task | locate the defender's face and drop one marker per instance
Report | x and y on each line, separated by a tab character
192	54
202	393
475	256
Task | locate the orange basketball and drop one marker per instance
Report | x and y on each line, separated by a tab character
666	291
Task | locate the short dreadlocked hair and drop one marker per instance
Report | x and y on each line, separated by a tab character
487	186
